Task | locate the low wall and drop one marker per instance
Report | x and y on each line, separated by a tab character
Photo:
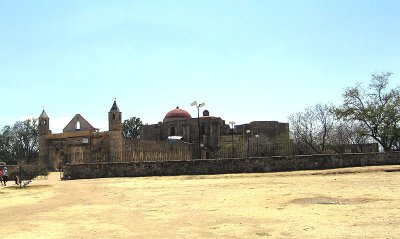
225	166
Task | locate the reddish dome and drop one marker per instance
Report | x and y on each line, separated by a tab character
177	114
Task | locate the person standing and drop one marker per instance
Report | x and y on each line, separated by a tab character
1	176
5	176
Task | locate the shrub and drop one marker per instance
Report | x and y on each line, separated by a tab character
29	172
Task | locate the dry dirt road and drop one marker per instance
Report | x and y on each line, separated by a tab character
341	203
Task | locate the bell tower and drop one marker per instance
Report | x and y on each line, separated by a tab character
44	130
114	118
44	124
115	132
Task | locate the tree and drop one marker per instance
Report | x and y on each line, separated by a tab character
19	142
377	109
6	145
131	128
346	133
313	126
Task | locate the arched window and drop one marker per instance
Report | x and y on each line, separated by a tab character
172	131
78	125
203	130
113	116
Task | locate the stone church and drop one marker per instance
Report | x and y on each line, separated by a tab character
212	131
80	142
79	139
179	122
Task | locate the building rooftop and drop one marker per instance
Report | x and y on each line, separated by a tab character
177	113
43	115
114	107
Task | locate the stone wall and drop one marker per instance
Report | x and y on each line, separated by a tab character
225	166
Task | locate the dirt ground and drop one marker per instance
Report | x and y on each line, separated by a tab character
341	203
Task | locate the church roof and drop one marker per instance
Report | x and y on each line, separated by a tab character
114	107
177	114
78	123
43	115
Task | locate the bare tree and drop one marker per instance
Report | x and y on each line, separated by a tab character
348	133
313	127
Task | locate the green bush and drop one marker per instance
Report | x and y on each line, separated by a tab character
29	172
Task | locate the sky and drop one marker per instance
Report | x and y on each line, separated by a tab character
247	60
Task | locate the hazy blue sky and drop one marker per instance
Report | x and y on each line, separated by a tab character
247	60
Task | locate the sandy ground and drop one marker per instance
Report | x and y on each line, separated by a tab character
342	203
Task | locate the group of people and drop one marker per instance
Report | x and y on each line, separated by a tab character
3	176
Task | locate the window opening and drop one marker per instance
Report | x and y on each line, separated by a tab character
172	131
203	130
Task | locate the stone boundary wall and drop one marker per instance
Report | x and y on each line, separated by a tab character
226	166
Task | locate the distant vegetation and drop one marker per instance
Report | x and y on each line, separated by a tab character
131	128
26	173
20	142
366	115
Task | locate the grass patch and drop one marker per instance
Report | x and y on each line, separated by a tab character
392	170
30	187
262	234
332	201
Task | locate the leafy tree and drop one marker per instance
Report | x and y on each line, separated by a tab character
131	128
377	109
19	142
6	145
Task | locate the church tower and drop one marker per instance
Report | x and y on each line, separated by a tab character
115	132
44	130
114	118
44	124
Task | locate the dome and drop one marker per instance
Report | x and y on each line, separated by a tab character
177	114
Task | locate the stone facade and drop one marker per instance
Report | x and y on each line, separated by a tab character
82	143
77	139
272	130
210	131
214	132
78	123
